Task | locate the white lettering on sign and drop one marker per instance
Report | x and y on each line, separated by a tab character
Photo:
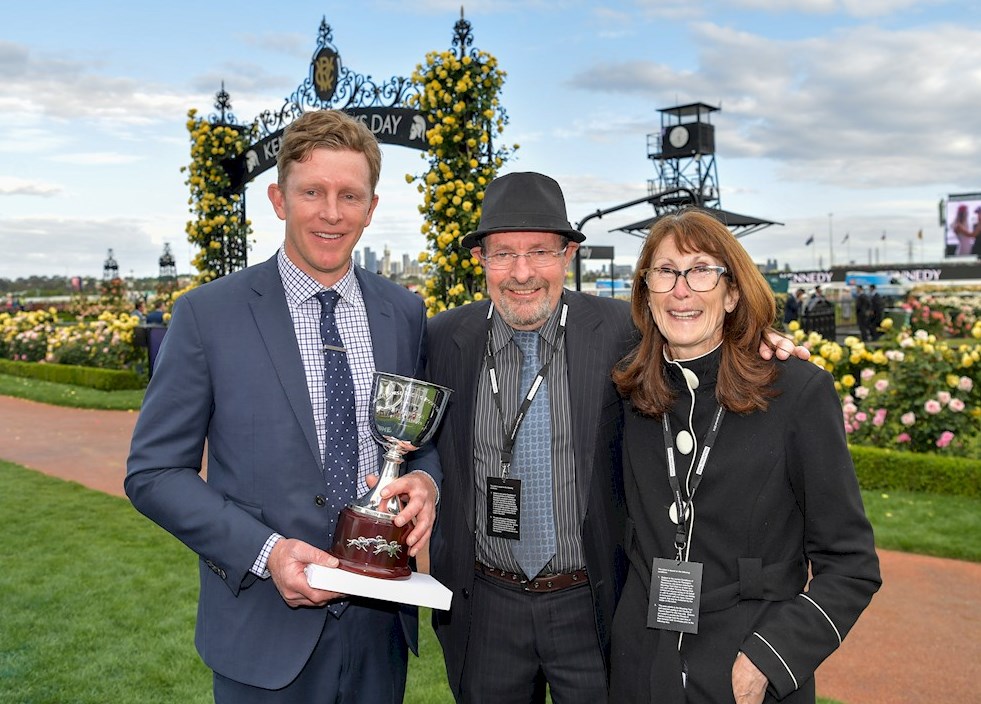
921	274
271	148
385	124
381	124
813	277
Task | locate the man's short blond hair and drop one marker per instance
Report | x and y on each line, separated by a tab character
327	129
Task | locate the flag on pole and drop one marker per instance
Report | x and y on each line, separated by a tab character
810	241
883	237
845	238
919	235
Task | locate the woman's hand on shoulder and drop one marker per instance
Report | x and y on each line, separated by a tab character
781	346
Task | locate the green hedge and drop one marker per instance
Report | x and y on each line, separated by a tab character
92	377
892	470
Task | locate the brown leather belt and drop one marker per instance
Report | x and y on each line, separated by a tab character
543	583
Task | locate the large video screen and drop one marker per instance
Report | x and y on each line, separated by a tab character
963	225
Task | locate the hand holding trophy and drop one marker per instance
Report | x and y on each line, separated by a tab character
406	414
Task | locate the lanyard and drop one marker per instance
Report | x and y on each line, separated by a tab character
509	436
682	506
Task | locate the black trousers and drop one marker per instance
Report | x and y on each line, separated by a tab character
520	639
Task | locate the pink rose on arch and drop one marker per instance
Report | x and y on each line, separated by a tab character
881	385
849	408
945	438
965	383
956	405
903	437
867	374
862	392
861	417
932	407
943	397
879	419
908	419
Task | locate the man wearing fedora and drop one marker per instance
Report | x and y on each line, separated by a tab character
531	519
519	620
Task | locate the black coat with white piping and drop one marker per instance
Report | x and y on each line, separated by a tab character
778	497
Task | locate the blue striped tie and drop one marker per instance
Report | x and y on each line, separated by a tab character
532	464
341	442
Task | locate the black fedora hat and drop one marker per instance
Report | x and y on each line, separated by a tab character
523	202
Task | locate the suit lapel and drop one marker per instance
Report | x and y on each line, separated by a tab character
381	318
588	378
468	339
275	325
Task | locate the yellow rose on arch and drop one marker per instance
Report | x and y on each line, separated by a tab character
459	96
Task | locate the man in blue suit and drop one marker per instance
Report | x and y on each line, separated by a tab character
243	368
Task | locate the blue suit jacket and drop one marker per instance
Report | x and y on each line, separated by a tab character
229	372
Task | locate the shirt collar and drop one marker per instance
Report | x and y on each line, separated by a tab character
300	286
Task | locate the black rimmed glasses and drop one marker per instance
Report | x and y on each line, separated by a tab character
661	279
538	258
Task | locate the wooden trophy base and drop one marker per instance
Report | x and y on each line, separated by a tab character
371	546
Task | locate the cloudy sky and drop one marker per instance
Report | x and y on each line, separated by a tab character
838	117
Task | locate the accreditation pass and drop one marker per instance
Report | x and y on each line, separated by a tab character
676	589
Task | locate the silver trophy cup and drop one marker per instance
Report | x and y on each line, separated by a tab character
406	414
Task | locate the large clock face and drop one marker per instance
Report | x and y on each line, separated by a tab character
678	136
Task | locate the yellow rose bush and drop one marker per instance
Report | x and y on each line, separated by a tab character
219	230
459	97
37	336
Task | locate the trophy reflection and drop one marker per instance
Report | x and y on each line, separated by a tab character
406	413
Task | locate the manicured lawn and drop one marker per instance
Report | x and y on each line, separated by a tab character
68	395
927	524
98	604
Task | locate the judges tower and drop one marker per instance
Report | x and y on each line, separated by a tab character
683	153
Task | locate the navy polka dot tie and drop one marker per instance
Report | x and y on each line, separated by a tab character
341	445
532	464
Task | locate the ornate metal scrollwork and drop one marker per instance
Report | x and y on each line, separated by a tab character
352	90
463	37
223	104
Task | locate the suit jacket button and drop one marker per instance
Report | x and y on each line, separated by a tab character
320	500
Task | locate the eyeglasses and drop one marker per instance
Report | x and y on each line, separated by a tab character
538	258
662	279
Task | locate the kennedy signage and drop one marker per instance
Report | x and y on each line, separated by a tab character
401	126
912	274
812	277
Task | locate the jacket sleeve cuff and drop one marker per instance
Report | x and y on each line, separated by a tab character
771	663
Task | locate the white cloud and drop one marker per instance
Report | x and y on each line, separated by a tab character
10	186
62	246
95	158
858	108
854	8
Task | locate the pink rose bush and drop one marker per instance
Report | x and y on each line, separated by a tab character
913	391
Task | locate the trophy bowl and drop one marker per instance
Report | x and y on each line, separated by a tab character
406	413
